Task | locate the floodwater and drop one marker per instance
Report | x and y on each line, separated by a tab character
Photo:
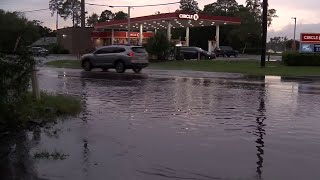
171	125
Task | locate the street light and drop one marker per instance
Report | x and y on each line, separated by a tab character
294	33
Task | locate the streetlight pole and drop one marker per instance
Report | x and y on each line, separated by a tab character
264	33
129	25
294	33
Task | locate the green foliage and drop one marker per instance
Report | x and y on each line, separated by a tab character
189	6
248	34
298	59
15	27
43	31
250	67
222	8
120	15
55	6
67	9
277	44
57	49
289	44
92	20
27	109
158	45
106	15
71	64
71	9
15	73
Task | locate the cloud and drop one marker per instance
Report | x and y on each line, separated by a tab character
289	29
306	12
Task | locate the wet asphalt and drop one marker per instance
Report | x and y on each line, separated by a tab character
177	125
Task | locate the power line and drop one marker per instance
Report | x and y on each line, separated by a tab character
148	5
35	10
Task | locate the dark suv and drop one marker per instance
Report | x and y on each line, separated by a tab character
226	51
120	57
189	52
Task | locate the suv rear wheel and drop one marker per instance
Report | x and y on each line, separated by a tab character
120	67
87	65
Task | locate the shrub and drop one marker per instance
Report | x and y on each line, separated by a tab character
158	45
298	59
15	74
57	49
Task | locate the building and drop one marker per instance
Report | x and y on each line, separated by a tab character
75	39
79	41
109	37
145	25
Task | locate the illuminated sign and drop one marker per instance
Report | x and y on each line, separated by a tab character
310	43
189	16
316	48
310	37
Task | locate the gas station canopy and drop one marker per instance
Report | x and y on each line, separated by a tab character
176	20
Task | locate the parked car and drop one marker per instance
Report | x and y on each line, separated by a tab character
189	52
39	51
226	51
120	57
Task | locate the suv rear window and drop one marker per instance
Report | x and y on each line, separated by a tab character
138	50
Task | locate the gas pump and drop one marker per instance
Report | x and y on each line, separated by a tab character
212	45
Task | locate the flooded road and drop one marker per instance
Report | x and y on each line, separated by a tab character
173	125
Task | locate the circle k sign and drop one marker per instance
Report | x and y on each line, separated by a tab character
189	16
310	37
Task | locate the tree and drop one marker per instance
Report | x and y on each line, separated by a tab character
43	31
17	28
71	9
222	8
277	44
106	15
55	6
255	7
189	6
157	12
289	44
67	9
92	20
120	15
158	45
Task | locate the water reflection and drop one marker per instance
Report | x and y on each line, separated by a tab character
260	131
16	162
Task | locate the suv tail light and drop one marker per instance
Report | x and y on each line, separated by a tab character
131	54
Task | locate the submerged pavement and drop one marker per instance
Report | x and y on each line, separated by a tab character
162	125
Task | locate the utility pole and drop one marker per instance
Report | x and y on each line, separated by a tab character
294	34
264	32
83	15
129	24
57	21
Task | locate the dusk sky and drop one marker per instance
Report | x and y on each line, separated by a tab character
306	11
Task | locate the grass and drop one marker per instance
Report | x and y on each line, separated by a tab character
71	64
30	111
249	67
